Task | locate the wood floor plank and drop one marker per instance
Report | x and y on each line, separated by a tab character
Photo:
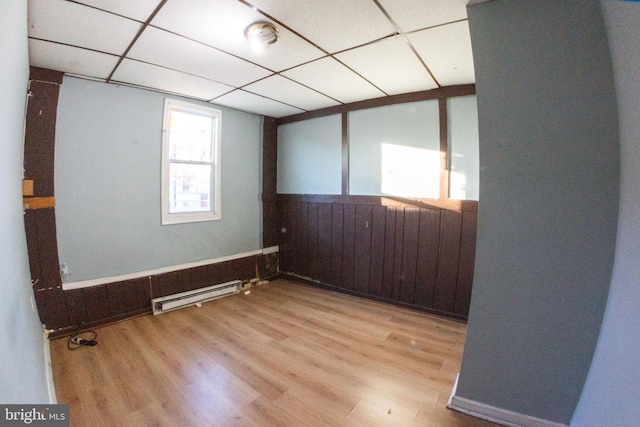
284	354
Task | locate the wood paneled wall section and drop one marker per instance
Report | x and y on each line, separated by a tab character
63	311
411	254
40	224
103	304
269	182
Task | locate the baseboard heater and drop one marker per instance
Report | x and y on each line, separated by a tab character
183	299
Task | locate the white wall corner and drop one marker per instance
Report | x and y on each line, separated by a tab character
48	370
495	414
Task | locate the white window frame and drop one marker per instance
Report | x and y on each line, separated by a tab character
214	213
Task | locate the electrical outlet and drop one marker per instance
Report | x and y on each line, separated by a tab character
65	272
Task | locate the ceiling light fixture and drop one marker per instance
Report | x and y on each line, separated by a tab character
261	35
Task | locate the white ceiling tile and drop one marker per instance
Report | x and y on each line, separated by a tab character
447	52
71	60
411	15
221	24
139	9
287	91
330	77
245	101
334	25
139	73
79	25
178	53
391	65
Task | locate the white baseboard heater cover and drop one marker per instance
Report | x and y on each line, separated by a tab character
183	299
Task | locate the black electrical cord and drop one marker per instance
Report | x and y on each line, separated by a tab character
75	341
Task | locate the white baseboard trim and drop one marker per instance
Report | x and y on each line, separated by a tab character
48	370
146	273
495	414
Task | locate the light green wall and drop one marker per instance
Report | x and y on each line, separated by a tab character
107	185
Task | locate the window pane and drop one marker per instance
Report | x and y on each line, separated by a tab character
189	188
190	136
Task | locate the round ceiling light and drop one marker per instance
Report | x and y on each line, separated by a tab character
261	34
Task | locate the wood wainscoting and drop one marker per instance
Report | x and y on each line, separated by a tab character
406	252
63	311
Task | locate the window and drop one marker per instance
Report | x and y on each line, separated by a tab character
190	163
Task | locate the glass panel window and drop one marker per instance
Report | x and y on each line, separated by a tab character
190	163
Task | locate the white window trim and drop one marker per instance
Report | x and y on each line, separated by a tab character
187	217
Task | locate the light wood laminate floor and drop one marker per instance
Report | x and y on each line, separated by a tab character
285	354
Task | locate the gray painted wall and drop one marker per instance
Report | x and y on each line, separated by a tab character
22	372
549	181
107	185
611	394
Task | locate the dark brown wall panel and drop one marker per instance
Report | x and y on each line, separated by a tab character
337	224
302	234
117	298
269	176
164	284
47	247
348	245
52	307
96	302
362	258
376	272
213	273
409	254
312	240
448	259
31	233
184	280
398	255
200	278
389	252
76	309
39	148
416	256
227	272
64	311
138	294
427	257
467	259
267	265
40	227
324	242
287	233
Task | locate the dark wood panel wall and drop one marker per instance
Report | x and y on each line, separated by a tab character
416	253
65	310
269	182
407	253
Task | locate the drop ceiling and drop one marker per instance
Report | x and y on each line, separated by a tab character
329	52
